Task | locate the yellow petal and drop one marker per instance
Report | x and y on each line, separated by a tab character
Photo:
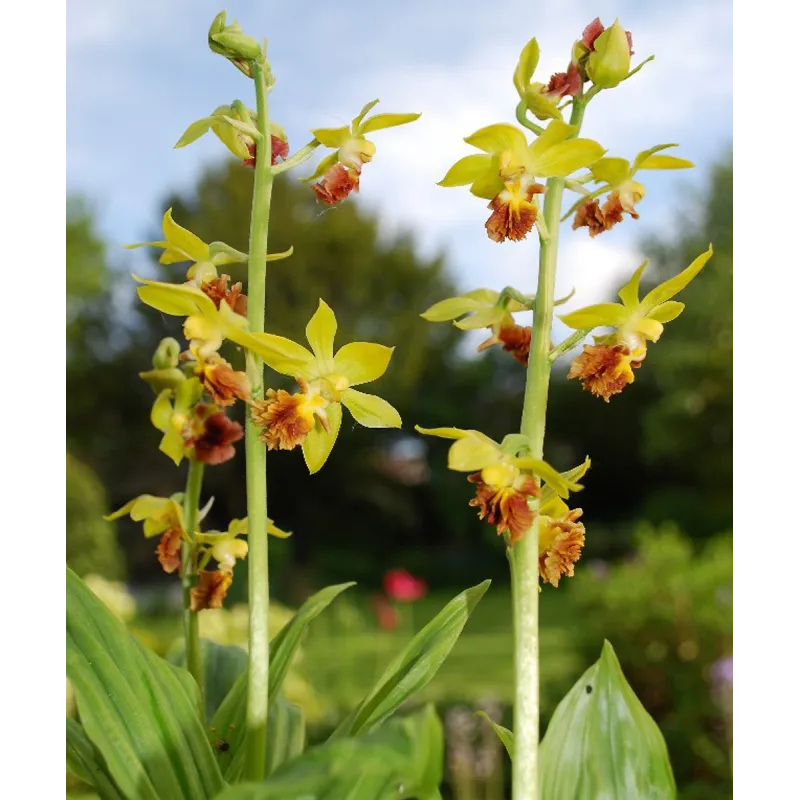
172	445
161	411
319	442
447	433
322	167
560	485
332	137
362	362
629	293
148	506
571	477
611	170
121	512
526	66
539	105
274	530
497	138
555	133
453	307
649	328
563	159
363	113
177	299
194	132
184	241
671	287
667	312
371	411
482	319
320	332
473	453
645	154
602	314
145	244
381	121
281	354
467	170
665	162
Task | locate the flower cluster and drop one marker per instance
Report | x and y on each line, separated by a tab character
514	491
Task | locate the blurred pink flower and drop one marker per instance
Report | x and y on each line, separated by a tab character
388	615
403	587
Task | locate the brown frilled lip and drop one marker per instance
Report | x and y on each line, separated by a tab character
284	421
337	183
211	589
600	369
505	507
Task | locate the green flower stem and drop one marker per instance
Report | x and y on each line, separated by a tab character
573	340
191	630
525	556
256	455
303	154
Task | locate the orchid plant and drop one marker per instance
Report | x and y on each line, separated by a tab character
142	729
516	491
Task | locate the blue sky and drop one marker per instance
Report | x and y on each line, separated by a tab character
139	71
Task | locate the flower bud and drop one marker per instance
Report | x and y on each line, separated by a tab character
610	61
167	354
232	43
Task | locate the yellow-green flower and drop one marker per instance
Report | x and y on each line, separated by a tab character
506	171
313	416
157	513
504	478
206	326
237	128
341	170
180	244
172	415
480	308
606	367
225	547
616	177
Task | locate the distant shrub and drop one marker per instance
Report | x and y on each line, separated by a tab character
91	541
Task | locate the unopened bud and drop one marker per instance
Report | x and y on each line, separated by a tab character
232	43
167	354
610	61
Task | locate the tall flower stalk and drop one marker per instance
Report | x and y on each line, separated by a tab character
517	490
191	624
255	450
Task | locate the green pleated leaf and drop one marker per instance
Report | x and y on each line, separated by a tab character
140	713
601	742
85	763
286	732
412	670
403	759
223	665
228	723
